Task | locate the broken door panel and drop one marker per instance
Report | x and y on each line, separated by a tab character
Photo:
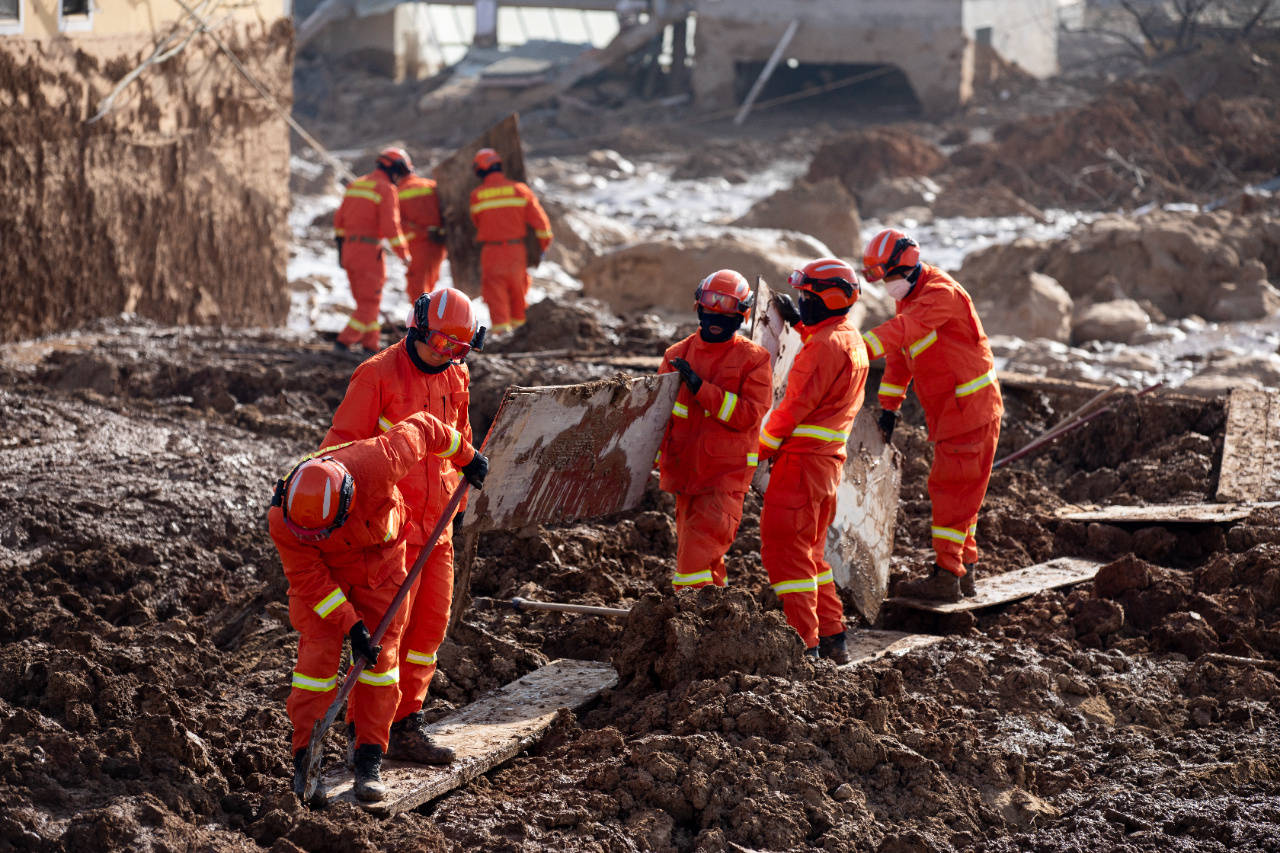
1251	448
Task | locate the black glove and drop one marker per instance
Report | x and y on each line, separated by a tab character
362	644
693	380
436	235
886	422
476	469
338	242
787	308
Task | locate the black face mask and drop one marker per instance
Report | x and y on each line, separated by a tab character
717	328
418	362
813	310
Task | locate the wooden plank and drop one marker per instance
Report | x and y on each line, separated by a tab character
868	645
766	72
1164	513
484	734
1251	448
1020	583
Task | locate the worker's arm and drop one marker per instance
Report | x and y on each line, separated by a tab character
359	415
536	217
895	381
912	331
309	578
744	409
389	223
805	385
409	442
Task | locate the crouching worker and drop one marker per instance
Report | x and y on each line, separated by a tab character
807	434
339	523
708	454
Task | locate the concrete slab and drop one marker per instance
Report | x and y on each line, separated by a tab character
484	734
1164	513
1251	448
1011	586
869	645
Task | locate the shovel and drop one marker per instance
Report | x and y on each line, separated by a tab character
312	756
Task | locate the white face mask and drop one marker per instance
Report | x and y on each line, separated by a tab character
898	288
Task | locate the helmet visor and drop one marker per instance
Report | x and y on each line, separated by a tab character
445	346
721	303
798	279
873	273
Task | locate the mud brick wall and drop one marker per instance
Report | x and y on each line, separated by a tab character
172	207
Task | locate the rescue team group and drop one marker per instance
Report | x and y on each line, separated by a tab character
351	519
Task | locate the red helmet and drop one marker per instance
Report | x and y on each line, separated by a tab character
830	279
445	321
395	160
889	253
486	159
725	292
317	498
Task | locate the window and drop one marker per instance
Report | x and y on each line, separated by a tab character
75	15
9	10
982	36
75	7
10	17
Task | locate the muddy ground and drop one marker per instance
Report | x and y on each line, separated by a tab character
146	651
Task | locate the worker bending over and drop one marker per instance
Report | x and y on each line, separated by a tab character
807	434
423	231
708	454
937	339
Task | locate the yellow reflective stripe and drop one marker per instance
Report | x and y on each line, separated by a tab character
384	423
950	534
542	235
495	192
988	378
727	405
421	658
339	232
330	603
800	585
877	348
691	578
379	679
316	685
454	443
924	343
753	460
680	410
364	184
973	530
888	389
657	458
399	240
366	194
821	433
416	192
392	527
364	327
826	577
499	202
769	441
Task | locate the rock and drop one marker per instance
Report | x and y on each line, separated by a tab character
1120	576
894	194
582	236
863	158
1223	374
990	201
1097	616
1120	320
824	210
1187	633
1035	306
1251	299
606	158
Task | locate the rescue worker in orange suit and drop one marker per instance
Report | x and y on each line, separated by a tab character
424	232
502	209
805	435
425	373
340	524
937	339
369	214
708	454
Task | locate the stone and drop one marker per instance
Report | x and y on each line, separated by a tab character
824	210
1034	306
1120	576
1119	320
893	194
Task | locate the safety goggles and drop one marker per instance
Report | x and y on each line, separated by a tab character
798	279
319	534
877	272
723	303
445	346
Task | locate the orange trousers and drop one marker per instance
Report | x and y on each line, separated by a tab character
424	269
504	283
316	679
428	620
367	273
799	505
957	484
705	528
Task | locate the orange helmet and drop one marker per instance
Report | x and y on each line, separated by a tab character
395	160
830	279
486	159
445	321
889	253
725	292
317	498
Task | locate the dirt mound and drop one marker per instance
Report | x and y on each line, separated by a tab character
824	210
586	326
862	158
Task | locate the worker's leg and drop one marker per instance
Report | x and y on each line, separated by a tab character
367	273
788	529
493	290
416	276
432	260
377	691
957	486
830	608
315	675
428	620
518	283
705	528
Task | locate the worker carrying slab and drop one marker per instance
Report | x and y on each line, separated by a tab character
342	528
426	372
502	210
708	453
368	215
805	436
937	339
423	231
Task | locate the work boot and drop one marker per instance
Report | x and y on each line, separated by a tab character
351	746
368	772
940	585
967	587
811	654
299	772
410	742
834	647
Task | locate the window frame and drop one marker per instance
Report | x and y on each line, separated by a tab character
75	23
15	26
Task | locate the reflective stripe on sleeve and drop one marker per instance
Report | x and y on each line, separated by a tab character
753	460
370	195
542	235
379	679
826	577
680	410
398	240
727	405
330	603
393	526
950	534
481	207
315	685
820	433
888	389
877	348
973	530
799	585
924	343
416	192
988	378
691	578
454	443
384	423
769	441
421	658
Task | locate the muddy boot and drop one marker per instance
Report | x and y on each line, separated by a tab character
967	587
834	647
410	742
368	772
811	654
300	772
940	585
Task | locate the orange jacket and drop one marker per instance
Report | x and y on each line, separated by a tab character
384	390
825	389
370	211
937	338
501	209
374	536
419	206
710	442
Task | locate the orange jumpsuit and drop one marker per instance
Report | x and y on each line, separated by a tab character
369	213
937	338
708	454
353	575
384	390
420	215
807	432
502	209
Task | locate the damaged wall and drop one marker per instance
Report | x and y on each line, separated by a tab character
174	206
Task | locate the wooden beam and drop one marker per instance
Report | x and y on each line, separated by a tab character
1011	586
1164	513
767	71
1250	468
868	645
